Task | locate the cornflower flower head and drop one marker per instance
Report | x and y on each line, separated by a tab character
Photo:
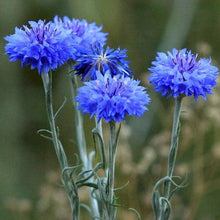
83	33
42	45
179	73
112	97
102	60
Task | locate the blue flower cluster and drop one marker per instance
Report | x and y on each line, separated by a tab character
110	93
179	73
101	60
46	46
112	97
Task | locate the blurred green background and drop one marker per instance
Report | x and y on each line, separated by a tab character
29	173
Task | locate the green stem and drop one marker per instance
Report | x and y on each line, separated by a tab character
69	187
111	170
47	78
81	143
78	122
101	144
172	155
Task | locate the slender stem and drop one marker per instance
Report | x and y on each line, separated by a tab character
174	138
112	155
111	170
101	144
70	189
81	143
47	81
172	154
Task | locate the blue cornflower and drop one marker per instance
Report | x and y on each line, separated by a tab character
100	59
180	73
112	97
42	45
83	33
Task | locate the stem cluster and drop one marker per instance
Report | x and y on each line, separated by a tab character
101	189
161	203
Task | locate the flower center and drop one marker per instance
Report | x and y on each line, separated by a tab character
102	59
40	32
185	62
113	90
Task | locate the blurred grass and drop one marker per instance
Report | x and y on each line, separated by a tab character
142	27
